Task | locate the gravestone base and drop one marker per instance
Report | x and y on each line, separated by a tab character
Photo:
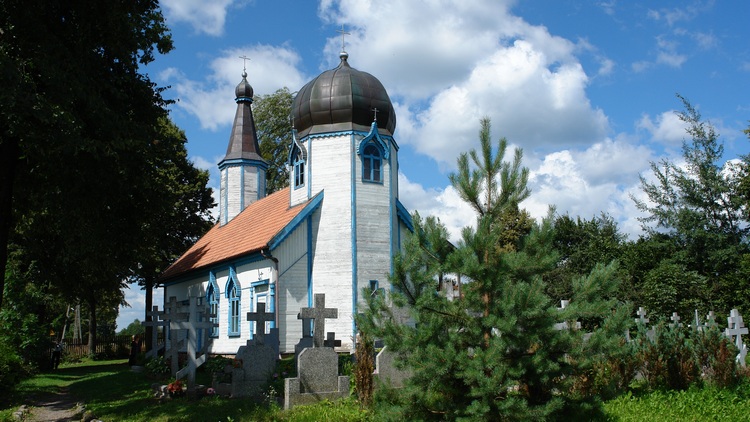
258	364
292	396
386	374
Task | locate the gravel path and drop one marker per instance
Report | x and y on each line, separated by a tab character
54	407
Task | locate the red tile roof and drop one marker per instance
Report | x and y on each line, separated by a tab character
248	232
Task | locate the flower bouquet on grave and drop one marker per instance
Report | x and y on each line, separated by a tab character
176	388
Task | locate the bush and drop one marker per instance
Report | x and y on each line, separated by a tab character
363	369
157	367
12	369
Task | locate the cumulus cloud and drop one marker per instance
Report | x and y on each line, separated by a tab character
666	128
212	100
205	16
136	298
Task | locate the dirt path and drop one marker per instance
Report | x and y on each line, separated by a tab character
54	407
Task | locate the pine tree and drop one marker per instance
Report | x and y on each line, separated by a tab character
494	353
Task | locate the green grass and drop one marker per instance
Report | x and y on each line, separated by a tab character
114	393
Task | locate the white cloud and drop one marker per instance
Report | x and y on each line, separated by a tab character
666	128
205	16
458	61
212	100
136	298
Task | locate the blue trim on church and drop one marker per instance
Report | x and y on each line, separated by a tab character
296	221
404	215
354	238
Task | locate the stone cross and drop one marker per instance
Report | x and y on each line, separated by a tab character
157	320
331	340
319	313
260	316
735	329
641	316
172	313
711	319
675	320
193	325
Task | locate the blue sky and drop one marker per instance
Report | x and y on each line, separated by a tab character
586	88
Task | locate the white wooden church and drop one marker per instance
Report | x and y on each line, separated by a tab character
334	230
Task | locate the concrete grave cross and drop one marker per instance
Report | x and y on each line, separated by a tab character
331	340
260	316
675	320
319	314
157	320
736	328
641	316
711	319
193	325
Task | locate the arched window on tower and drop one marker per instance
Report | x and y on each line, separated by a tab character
234	309
372	164
299	171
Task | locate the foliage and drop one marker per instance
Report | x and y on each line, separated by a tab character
12	369
133	329
272	114
157	366
495	353
363	368
216	364
696	209
581	245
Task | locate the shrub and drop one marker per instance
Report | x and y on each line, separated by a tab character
157	367
12	369
363	368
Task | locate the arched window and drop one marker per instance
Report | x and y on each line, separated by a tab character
372	164
299	171
213	302
234	309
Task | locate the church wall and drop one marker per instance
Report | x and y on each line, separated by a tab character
374	226
293	275
252	184
233	189
332	270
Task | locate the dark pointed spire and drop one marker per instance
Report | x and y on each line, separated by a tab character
243	141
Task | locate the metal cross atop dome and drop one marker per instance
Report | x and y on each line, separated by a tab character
244	62
375	118
343	32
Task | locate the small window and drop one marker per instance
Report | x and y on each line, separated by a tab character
299	171
234	310
371	164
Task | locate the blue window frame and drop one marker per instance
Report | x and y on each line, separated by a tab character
299	171
372	164
234	309
213	303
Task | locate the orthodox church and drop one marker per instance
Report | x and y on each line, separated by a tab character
334	230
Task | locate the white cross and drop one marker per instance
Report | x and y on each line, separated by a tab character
735	329
641	316
675	320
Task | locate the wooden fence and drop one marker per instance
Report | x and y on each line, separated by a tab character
112	347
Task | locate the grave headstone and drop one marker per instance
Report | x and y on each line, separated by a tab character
199	319
331	341
675	320
317	367
735	330
306	340
258	357
386	373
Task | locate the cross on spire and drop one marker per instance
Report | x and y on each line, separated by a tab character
343	32
375	110
319	314
260	316
244	63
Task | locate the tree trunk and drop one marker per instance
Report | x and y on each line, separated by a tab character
9	150
92	327
149	283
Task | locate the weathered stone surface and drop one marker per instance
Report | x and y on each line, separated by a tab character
386	372
318	370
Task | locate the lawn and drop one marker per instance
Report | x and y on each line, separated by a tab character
114	393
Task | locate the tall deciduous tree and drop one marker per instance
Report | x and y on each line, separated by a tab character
698	207
178	212
273	124
78	128
493	353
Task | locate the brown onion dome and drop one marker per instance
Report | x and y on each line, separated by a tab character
343	99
